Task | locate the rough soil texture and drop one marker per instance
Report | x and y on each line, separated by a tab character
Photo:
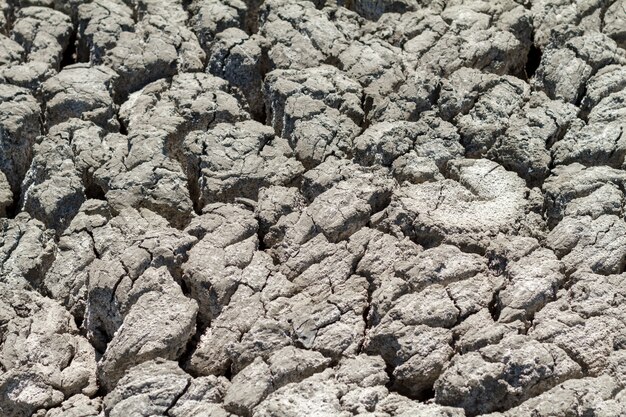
305	208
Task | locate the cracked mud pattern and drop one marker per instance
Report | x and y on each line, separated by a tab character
292	208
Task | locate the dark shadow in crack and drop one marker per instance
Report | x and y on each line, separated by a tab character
532	61
70	54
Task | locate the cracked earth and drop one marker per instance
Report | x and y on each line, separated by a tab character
317	208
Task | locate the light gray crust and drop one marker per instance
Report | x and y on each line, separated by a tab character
276	208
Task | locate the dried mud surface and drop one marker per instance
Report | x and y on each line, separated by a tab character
294	208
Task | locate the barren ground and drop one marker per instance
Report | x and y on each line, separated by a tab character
289	208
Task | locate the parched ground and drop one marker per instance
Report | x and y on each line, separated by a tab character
290	208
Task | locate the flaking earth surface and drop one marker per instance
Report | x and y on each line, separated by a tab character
317	208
